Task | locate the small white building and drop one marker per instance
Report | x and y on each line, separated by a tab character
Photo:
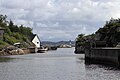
36	41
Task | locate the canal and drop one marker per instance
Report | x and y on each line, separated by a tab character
62	64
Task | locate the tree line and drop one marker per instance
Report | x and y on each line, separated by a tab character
110	33
15	33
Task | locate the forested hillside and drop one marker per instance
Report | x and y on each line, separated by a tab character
109	33
14	33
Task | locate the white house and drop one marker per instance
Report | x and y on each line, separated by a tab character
36	41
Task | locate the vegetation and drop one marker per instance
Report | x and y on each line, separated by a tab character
14	33
109	33
82	39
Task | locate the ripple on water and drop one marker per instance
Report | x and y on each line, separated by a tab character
62	64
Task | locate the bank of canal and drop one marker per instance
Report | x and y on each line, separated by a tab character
62	64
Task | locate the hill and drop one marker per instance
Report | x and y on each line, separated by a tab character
109	35
14	33
48	43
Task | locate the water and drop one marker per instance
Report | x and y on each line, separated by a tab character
62	64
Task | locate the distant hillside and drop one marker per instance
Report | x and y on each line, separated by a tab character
48	43
14	33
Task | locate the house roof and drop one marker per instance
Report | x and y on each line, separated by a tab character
34	37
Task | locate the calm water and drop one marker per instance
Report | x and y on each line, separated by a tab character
62	64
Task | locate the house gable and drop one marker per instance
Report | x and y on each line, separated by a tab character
36	41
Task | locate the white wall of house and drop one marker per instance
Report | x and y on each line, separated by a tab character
36	41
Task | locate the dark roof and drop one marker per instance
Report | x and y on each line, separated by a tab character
34	36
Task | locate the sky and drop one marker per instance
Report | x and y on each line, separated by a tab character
56	20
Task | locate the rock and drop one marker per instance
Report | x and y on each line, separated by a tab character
20	51
17	52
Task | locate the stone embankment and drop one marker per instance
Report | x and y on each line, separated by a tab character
103	55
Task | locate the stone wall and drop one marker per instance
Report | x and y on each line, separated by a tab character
103	55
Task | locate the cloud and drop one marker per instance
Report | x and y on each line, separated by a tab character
61	19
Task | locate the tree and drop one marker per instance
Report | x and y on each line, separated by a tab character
3	21
15	33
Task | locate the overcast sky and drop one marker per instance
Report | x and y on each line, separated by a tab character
56	20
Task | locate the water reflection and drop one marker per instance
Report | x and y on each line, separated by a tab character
100	72
5	59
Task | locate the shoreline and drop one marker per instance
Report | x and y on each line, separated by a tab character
18	51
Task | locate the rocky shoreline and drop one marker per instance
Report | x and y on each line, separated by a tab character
14	51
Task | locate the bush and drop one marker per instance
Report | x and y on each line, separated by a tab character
3	44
